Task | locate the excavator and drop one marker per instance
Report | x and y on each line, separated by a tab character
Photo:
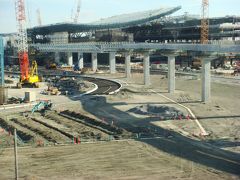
29	76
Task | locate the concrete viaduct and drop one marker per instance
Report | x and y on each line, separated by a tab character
169	50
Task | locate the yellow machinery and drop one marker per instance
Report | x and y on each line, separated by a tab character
33	78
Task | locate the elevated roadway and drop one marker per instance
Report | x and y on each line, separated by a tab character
122	46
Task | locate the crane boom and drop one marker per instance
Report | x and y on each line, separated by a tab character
22	39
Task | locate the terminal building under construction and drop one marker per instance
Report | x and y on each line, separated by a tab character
155	26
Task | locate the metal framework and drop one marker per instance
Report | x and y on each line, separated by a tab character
122	46
78	11
39	19
22	38
1	62
205	22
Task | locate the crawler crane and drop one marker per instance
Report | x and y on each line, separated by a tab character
29	76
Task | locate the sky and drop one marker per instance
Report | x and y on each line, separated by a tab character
57	11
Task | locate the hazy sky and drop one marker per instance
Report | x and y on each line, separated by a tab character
56	11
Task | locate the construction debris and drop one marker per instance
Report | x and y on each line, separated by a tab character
162	112
64	86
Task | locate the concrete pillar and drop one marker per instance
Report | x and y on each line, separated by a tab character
70	59
128	65
112	62
146	69
206	79
94	62
171	74
80	61
1	62
57	57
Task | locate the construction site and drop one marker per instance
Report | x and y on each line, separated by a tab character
141	95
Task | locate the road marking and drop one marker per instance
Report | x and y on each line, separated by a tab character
189	110
217	157
122	81
108	89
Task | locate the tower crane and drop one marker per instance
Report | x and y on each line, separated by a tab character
39	19
205	22
79	2
29	76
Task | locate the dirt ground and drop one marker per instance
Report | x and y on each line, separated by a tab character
220	117
113	160
135	159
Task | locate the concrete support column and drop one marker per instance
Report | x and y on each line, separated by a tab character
70	59
128	65
80	61
57	57
94	62
112	62
1	63
206	80
146	69
171	74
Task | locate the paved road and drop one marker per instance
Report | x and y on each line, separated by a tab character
104	86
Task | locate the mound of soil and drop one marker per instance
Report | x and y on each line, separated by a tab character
163	112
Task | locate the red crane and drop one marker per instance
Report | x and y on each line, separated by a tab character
27	76
22	39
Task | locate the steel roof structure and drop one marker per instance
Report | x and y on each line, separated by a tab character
115	22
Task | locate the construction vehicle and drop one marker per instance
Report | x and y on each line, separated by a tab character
46	104
29	76
197	63
51	66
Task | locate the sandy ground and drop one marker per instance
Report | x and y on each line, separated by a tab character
114	160
219	117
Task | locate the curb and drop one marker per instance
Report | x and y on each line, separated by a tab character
88	92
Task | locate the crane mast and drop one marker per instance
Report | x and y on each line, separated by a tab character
39	17
205	22
22	39
78	11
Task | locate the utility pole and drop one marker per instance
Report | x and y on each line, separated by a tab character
15	154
